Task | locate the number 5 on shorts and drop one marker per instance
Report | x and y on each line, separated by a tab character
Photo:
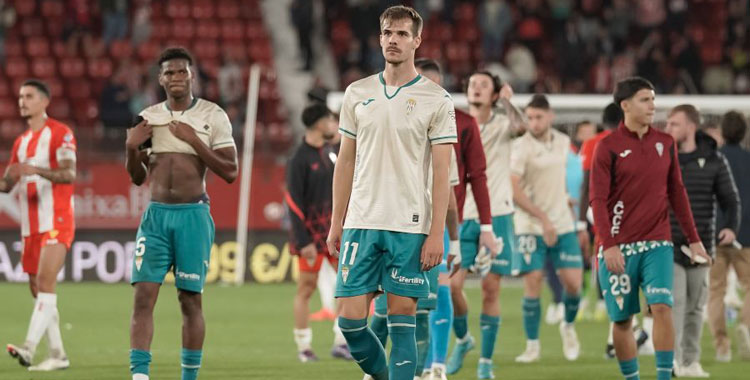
620	284
140	250
353	256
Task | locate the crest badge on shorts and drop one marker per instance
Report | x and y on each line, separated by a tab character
344	273
620	302
659	148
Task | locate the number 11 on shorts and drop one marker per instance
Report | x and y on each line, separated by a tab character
353	256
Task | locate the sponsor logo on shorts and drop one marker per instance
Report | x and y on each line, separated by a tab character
406	280
188	276
652	290
618	210
402	363
571	258
501	262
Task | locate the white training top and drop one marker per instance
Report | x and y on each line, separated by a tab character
395	128
496	140
541	166
209	121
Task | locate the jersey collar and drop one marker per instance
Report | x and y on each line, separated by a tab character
385	90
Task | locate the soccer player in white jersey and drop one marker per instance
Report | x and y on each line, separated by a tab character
497	127
396	124
43	165
544	225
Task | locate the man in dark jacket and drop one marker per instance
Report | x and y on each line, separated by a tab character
733	129
309	181
707	179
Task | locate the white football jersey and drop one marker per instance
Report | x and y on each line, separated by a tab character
395	128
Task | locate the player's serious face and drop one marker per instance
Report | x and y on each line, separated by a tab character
479	92
31	102
397	40
176	77
641	107
539	120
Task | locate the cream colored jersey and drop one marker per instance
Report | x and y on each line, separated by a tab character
496	139
210	123
541	166
395	128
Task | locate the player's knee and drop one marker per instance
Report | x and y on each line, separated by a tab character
623	325
490	289
190	302
45	283
661	310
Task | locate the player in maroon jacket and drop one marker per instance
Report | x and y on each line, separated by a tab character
634	179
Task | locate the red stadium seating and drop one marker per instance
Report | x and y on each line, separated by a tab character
120	50
25	7
228	9
100	68
4	88
52	9
32	27
8	108
37	47
203	9
13	47
72	68
148	51
16	67
208	29
182	28
232	30
206	49
43	67
78	89
59	109
178	9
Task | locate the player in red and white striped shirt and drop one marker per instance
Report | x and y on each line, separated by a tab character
42	164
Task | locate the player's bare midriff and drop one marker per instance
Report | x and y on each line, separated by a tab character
176	177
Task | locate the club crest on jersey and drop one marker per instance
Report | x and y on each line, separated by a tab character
344	273
620	302
659	148
68	137
410	104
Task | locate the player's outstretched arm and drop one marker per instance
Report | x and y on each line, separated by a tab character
343	175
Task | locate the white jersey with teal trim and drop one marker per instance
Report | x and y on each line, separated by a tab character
210	123
394	128
541	167
496	140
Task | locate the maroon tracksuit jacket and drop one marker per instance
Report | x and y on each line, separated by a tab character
633	182
471	167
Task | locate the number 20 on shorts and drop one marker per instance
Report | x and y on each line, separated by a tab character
353	254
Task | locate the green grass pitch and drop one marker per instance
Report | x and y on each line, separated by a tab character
249	336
